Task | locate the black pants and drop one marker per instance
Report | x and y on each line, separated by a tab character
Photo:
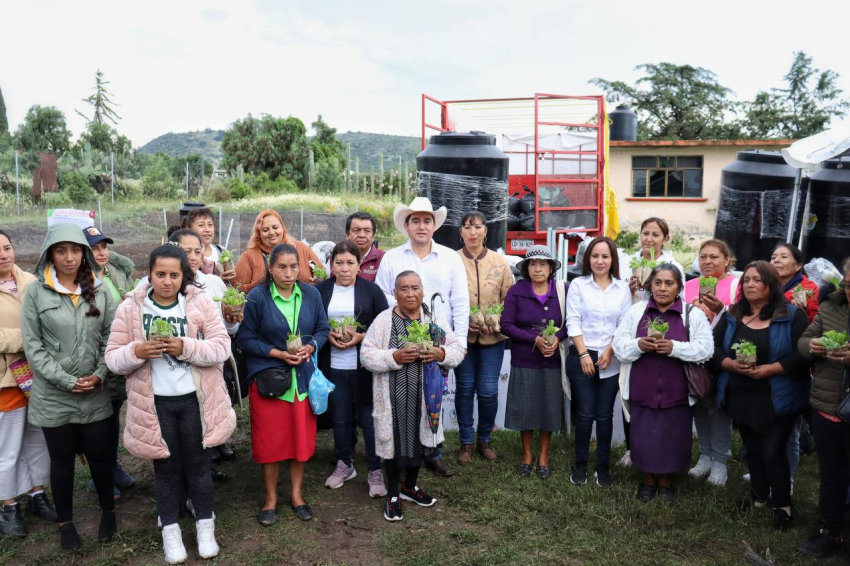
115	430
394	477
180	422
63	444
767	456
833	442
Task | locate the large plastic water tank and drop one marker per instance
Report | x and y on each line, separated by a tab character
755	199
623	124
463	172
826	230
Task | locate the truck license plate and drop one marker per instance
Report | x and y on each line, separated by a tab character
521	244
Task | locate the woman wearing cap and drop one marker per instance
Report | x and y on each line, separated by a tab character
653	384
66	321
116	273
24	462
269	231
488	278
535	391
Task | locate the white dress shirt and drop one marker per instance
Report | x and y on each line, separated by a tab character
594	314
442	271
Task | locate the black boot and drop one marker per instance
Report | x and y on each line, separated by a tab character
781	520
226	452
41	507
68	537
12	523
108	526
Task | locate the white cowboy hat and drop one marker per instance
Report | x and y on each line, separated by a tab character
419	204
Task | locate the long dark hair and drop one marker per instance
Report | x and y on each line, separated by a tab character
277	251
84	278
2	233
615	259
795	253
776	299
178	235
667	266
172	250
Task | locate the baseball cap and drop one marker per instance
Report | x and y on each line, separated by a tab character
94	236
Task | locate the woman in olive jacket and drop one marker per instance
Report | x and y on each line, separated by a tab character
832	435
66	317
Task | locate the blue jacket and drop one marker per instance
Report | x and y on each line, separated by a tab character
264	328
790	393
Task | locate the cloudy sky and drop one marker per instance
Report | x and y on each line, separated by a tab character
187	65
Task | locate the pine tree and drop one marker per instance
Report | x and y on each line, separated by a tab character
4	121
101	102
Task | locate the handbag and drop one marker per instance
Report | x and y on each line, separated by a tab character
22	372
274	382
700	381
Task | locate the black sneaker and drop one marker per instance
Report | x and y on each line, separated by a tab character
603	476
823	543
579	474
392	509
417	496
781	520
68	537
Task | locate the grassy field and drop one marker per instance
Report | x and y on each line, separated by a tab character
486	514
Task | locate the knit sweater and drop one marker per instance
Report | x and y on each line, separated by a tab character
488	277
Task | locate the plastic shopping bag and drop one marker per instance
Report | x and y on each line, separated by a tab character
319	390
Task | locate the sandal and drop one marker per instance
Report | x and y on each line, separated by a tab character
543	472
524	470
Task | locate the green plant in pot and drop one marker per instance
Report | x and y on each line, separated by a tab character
232	302
708	286
745	353
227	261
801	295
642	268
476	317
833	341
418	336
657	328
161	329
293	342
493	317
548	332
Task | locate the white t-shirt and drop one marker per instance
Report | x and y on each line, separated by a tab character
341	305
214	253
170	377
213	286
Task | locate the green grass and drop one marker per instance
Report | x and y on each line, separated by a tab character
486	514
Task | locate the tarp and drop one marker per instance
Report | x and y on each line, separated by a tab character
810	152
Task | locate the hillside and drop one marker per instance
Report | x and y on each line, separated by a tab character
206	142
364	145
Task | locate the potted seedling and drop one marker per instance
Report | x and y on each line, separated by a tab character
745	353
708	286
657	328
476	317
345	327
548	332
227	261
161	329
833	341
128	290
293	342
493	317
642	268
319	273
419	337
232	302
801	295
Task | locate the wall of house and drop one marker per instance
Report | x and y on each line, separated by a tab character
693	218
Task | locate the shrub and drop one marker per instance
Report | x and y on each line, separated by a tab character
157	181
239	189
627	240
77	187
219	192
264	184
59	199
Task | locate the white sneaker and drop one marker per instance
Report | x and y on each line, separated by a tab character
172	544
718	474
207	545
703	467
747	478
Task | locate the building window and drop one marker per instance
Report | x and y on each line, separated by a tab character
671	176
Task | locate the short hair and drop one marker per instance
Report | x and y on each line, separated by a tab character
795	253
473	214
407	218
345	247
195	214
667	266
277	251
615	259
360	216
770	277
724	249
406	273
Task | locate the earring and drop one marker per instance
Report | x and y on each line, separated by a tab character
461	240
485	240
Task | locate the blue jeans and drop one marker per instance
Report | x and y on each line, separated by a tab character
349	396
478	373
594	401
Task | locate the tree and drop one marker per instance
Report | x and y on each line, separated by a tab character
4	120
100	102
676	102
105	138
277	146
810	99
325	143
44	129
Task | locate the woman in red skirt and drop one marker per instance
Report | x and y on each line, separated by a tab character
283	426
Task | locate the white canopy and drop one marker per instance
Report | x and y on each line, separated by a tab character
810	152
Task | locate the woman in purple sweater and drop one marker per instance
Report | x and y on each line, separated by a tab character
535	396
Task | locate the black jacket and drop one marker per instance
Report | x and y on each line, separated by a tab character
369	302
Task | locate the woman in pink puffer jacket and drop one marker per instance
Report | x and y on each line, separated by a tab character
177	402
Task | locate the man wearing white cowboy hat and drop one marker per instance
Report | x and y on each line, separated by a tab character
440	269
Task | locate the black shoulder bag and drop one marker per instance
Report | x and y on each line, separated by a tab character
274	382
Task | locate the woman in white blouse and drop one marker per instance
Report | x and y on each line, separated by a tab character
654	234
596	304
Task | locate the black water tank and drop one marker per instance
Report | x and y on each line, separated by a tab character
755	199
827	227
189	206
463	172
623	124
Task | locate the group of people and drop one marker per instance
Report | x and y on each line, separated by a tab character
91	340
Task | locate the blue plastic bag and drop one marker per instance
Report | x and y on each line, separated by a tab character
319	389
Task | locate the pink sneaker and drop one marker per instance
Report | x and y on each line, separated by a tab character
376	484
341	474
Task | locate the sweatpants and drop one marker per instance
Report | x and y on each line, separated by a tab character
64	443
767	456
180	422
714	431
24	461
